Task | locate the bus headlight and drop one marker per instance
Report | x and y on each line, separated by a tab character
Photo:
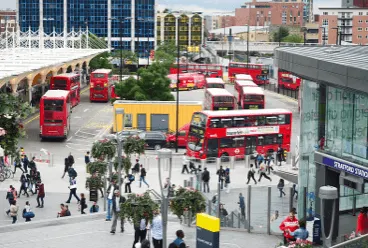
92	85
105	84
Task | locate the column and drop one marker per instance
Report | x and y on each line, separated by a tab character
14	87
41	32
176	30
155	30
29	83
40	2
109	24
132	27
202	31
43	79
65	20
17	14
189	31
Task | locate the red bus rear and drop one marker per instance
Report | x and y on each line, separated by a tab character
208	70
287	80
242	83
55	110
186	81
100	81
251	98
215	83
69	82
218	99
258	72
237	133
199	80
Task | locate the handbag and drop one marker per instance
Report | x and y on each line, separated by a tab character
28	215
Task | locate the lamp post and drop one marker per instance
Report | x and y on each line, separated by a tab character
304	35
247	45
177	88
324	36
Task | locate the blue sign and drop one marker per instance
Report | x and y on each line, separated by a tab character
348	168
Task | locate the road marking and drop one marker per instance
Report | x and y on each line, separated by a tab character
86	133
85	110
34	118
77	117
69	139
84	90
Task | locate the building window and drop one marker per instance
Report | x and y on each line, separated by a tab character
360	21
325	22
360	29
359	36
325	13
360	13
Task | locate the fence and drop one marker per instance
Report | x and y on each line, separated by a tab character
359	242
283	91
42	156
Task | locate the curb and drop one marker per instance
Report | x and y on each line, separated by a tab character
51	222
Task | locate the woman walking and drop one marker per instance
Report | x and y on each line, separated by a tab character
73	190
281	186
23	185
14	211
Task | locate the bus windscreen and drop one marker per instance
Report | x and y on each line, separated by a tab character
53	105
60	84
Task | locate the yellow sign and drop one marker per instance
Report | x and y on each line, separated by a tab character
193	49
208	222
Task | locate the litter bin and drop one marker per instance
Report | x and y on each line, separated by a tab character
93	195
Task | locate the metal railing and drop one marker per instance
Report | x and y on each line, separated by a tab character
359	242
283	91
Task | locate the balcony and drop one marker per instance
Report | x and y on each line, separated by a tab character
344	17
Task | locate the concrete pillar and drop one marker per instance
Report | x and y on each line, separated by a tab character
65	21
14	87
29	92
132	26
109	24
162	28
43	82
176	30
189	31
154	31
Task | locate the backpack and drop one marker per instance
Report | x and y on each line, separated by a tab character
10	195
173	245
72	172
131	178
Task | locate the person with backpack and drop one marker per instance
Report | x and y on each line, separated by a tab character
281	186
66	167
206	180
87	158
178	242
71	159
251	174
23	185
142	177
128	183
17	164
73	190
25	163
71	173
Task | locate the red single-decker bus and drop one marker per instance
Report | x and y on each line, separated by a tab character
218	99
287	80
258	72
69	82
214	134
215	83
55	111
208	70
251	98
100	83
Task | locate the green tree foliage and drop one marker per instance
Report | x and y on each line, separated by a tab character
12	111
187	199
101	61
103	149
166	54
97	166
280	33
293	38
153	85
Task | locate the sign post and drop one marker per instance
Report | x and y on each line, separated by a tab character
208	231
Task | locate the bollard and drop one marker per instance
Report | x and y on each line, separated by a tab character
232	162
218	163
305	202
232	219
105	195
185	183
248	208
200	181
239	216
191	182
209	211
293	159
269	210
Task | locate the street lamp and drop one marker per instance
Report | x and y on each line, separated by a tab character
247	45
324	35
304	35
177	88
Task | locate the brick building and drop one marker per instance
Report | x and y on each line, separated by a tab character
270	13
347	24
7	18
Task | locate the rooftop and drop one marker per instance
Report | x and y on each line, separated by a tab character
215	80
238	29
219	92
56	93
252	90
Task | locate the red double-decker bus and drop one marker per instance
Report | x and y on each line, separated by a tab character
209	70
287	80
69	82
258	72
55	111
243	83
215	83
218	99
238	132
100	84
243	77
251	98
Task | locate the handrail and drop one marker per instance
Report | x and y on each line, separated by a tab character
351	241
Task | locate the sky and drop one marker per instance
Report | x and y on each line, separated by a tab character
206	6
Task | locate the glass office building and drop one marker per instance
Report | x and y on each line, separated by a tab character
333	131
133	20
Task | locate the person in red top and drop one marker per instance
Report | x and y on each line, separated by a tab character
41	194
362	221
289	224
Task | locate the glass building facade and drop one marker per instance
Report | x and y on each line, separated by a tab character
94	13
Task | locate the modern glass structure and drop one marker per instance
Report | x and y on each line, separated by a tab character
333	132
134	20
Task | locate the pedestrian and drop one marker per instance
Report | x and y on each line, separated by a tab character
206	180
281	186
301	233
27	212
295	191
280	154
25	163
129	179
117	200
23	185
178	242
251	174
362	222
94	209
275	216
10	196
17	164
30	183
41	194
32	163
259	160
269	161
82	204
223	212
62	212
66	167
14	211
67	211
140	231
156	229
110	193
71	159
71	173
192	168
87	158
73	190
135	169
185	162
242	205
321	143
262	173
227	179
142	177
288	225
221	177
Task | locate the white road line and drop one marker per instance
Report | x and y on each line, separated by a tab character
87	132
85	110
77	117
75	148
69	139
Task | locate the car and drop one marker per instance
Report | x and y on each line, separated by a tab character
153	139
130	132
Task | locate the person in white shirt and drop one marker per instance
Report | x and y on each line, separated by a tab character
185	164
73	190
110	193
156	230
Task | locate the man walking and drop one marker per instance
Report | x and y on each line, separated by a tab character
156	230
73	190
117	199
41	194
206	180
251	173
17	164
130	178
10	196
185	164
143	176
280	154
178	242
71	159
221	177
110	193
242	205
87	158
263	173
25	163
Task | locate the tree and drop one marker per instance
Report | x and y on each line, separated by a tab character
101	61
127	55
187	199
12	111
293	38
280	33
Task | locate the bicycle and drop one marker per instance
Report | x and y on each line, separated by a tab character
2	177
7	172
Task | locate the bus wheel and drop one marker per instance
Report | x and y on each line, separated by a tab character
225	157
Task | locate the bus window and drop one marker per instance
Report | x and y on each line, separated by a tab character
260	141
271	120
226	122
270	140
53	105
281	119
250	121
279	139
226	142
261	120
215	123
239	142
238	122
